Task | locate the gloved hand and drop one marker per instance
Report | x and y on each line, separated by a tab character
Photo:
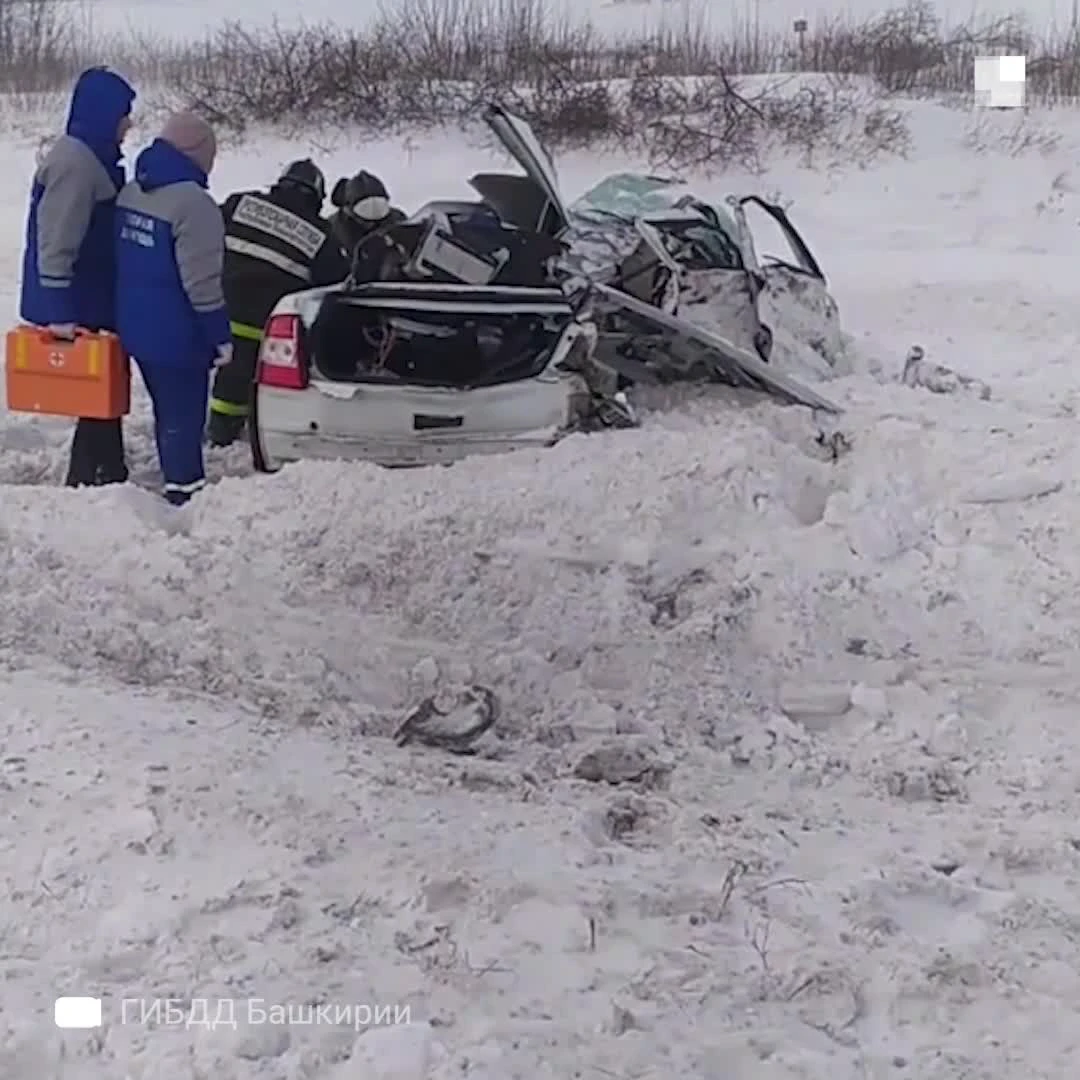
62	331
224	355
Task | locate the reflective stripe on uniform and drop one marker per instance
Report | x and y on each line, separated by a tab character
267	255
227	408
243	330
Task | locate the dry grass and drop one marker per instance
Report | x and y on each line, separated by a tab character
680	96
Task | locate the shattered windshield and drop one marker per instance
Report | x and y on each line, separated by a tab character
627	195
633	195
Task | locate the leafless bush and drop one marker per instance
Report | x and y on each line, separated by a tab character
36	45
720	123
676	96
1005	132
680	95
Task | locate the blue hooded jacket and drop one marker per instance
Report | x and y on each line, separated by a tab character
69	257
170	259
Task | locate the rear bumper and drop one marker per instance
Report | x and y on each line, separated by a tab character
377	423
281	447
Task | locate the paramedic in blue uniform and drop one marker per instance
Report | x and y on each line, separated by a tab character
69	258
170	304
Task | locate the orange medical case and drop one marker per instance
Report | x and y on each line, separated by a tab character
88	377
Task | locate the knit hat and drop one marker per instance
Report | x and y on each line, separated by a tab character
193	137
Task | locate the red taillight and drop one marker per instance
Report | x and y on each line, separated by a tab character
281	356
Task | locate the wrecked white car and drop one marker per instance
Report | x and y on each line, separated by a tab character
474	334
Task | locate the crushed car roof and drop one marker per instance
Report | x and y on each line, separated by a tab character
630	195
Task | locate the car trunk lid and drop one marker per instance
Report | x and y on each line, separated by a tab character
531	202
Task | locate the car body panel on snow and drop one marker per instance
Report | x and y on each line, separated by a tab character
488	327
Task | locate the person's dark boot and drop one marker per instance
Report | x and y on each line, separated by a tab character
97	454
222	430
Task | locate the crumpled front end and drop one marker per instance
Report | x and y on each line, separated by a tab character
649	238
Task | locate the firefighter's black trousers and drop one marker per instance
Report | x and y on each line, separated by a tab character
230	397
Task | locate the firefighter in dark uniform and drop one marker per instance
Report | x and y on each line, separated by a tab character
276	242
363	208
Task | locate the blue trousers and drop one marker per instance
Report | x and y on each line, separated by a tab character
179	397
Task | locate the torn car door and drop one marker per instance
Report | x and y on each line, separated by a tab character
795	301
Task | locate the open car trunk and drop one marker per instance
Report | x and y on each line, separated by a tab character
461	295
437	335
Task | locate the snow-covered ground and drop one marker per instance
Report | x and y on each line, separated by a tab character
848	691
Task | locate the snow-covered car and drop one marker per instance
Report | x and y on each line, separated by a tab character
474	336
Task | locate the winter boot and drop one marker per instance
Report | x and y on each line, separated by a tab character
97	454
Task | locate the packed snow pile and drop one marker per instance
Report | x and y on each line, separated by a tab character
755	707
780	781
